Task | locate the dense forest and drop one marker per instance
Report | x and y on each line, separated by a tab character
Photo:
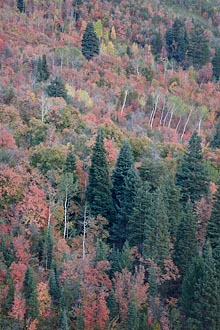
109	165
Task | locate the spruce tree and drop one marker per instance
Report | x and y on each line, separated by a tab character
192	177
216	65
185	247
125	182
57	88
132	321
30	294
54	287
21	6
64	321
42	69
198	50
139	215
215	143
99	190
157	237
213	227
177	41
205	311
90	42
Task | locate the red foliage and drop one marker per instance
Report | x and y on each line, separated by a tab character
18	271
6	138
21	247
18	308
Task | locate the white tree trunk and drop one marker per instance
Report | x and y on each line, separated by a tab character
65	214
186	123
124	102
84	231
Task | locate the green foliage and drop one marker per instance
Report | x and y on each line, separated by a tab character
198	51
132	321
156	233
21	5
30	294
64	321
7	301
185	247
37	132
215	143
177	41
216	65
213	227
192	177
42	73
156	43
56	88
98	190
90	42
8	253
54	287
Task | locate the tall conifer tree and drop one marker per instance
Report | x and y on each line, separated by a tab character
192	176
99	190
90	42
213	227
30	294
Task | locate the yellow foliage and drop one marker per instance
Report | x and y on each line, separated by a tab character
98	28
113	33
111	48
134	48
70	91
103	48
84	97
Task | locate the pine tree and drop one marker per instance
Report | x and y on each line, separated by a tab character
98	190
7	301
64	321
177	41
157	238
215	143
90	42
125	185
216	65
213	227
132	321
205	311
192	177
21	6
185	247
30	294
139	216
54	288
57	88
198	50
42	69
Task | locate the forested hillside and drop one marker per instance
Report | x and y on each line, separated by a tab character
109	165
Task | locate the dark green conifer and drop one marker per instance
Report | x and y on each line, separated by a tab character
90	42
132	321
192	177
185	247
98	190
54	287
64	321
198	50
139	216
30	294
215	143
8	300
177	41
57	88
21	6
125	185
42	69
216	65
157	237
213	227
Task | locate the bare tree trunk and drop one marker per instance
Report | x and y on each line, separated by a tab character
162	112
65	213
124	102
84	231
178	124
186	123
171	116
153	113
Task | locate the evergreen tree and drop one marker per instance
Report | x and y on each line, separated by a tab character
132	321
205	311
21	6
215	143
157	238
30	294
125	257
8	300
125	185
42	69
70	163
90	42
185	247
56	88
153	171
112	305
198	50
216	65
213	227
192	177
177	41
54	288
139	215
156	43
48	249
98	190
64	321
